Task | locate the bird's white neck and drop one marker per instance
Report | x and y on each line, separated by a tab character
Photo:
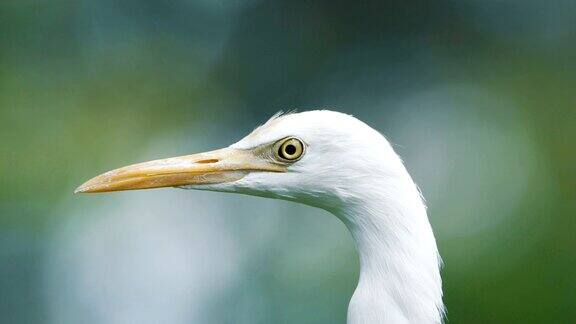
399	262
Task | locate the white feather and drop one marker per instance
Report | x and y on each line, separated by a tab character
352	171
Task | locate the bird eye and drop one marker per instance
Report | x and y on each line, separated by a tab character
290	149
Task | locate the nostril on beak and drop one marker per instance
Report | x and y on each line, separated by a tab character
207	161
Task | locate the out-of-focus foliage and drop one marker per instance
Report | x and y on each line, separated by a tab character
478	96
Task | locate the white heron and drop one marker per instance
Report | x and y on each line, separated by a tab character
336	162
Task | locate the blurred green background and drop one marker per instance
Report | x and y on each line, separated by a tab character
478	97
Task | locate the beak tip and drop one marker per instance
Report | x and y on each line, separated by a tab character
84	188
80	189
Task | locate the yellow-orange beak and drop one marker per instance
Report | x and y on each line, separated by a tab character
224	165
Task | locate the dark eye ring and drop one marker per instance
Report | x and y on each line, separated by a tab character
290	149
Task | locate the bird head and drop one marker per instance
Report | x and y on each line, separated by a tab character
312	157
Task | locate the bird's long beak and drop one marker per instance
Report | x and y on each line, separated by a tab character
224	165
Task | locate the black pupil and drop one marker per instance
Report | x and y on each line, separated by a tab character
290	149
